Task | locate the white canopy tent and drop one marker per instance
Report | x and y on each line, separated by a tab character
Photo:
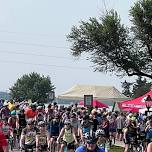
103	93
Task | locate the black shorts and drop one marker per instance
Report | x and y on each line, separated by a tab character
14	130
69	146
27	147
43	147
119	131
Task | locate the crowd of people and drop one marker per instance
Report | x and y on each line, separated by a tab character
58	128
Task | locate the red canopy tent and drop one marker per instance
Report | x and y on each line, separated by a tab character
138	103
131	109
96	103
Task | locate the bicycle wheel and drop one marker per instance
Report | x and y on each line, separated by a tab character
132	148
11	142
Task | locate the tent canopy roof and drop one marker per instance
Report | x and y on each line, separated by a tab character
99	92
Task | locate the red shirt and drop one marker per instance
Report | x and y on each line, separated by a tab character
3	140
30	113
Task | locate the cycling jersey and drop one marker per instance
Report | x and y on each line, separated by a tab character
29	135
3	140
12	122
83	149
22	120
40	116
54	127
68	136
5	113
42	139
6	129
86	126
149	134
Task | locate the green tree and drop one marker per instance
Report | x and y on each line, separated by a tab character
140	87
32	86
127	91
137	88
112	47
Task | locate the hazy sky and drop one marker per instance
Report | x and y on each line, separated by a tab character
33	39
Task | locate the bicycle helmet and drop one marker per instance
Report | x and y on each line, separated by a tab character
30	121
39	108
86	135
13	113
67	121
133	118
91	139
100	132
41	124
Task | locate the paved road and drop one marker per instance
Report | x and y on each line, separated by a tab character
120	143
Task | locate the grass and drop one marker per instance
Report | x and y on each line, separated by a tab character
116	149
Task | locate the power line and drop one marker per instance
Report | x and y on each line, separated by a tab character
28	34
46	65
34	54
34	44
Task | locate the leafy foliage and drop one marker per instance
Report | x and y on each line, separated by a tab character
112	47
136	89
32	86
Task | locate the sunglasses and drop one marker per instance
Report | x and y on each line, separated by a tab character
30	124
91	142
67	123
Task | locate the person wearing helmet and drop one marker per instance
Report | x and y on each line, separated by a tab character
54	128
86	126
20	122
130	132
28	134
75	123
41	115
3	141
5	112
42	138
120	121
12	123
69	137
31	112
103	141
148	131
7	129
91	145
11	105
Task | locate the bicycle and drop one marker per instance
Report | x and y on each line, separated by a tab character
28	148
54	144
135	145
11	142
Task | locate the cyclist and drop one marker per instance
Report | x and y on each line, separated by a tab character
28	134
42	138
5	112
30	113
20	122
12	123
49	113
149	147
148	131
3	141
40	114
90	146
54	128
6	129
69	137
86	127
75	123
103	141
130	132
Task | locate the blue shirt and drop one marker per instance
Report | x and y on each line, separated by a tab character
83	149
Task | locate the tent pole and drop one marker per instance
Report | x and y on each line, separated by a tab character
113	107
